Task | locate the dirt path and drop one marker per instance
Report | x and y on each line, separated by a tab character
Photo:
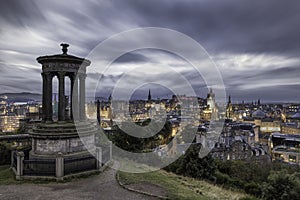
103	186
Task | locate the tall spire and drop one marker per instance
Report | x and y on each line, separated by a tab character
110	98
98	112
149	95
229	99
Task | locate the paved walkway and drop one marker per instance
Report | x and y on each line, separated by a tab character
103	186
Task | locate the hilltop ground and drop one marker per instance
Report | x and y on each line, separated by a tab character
105	186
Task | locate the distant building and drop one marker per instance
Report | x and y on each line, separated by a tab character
211	111
10	122
238	150
293	108
290	128
12	113
211	102
295	118
229	109
285	147
238	141
266	125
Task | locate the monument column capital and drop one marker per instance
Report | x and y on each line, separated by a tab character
61	75
47	75
82	76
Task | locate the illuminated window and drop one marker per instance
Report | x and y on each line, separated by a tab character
292	158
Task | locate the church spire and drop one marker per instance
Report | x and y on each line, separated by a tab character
98	112
149	95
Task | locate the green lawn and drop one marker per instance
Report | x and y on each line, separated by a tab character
6	175
179	187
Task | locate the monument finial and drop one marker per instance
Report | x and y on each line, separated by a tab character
64	47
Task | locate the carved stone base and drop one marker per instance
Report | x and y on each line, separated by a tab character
53	138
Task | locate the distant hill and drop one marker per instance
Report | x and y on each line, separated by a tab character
20	97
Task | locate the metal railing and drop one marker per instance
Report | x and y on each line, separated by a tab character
58	166
39	167
75	165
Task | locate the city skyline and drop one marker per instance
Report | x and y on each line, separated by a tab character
254	47
128	99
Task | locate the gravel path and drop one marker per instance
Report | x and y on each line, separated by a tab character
103	186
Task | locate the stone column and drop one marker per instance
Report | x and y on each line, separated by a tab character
34	145
59	166
20	165
44	105
99	157
74	98
71	96
61	96
48	96
82	97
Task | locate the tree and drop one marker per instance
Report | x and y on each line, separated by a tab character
281	185
194	166
136	144
127	142
5	153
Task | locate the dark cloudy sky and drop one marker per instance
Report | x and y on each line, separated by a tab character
255	44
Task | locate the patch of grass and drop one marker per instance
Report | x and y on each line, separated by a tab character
7	176
132	166
179	187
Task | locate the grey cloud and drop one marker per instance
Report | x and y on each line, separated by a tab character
250	26
232	27
20	13
235	79
19	78
281	93
132	57
105	84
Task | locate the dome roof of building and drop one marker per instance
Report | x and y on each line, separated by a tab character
258	114
296	116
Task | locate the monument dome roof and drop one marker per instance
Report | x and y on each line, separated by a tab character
258	114
296	116
64	57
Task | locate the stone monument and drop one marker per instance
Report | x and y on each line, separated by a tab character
60	138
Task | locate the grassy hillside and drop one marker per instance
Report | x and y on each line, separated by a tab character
6	175
179	187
